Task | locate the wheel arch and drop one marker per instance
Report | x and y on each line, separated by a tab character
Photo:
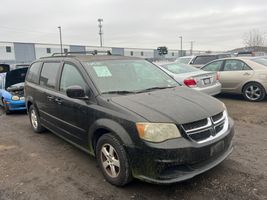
252	81
104	126
30	102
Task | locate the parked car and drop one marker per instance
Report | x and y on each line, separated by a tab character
207	82
200	60
247	76
12	90
131	115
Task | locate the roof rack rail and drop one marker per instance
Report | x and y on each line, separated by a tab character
94	52
58	54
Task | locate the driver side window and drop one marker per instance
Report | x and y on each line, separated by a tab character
70	77
214	66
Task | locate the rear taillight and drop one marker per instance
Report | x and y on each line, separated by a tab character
217	76
190	82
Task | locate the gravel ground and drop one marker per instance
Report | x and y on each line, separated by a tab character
43	166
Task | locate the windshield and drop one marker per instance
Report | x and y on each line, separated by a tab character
127	75
179	68
262	61
184	60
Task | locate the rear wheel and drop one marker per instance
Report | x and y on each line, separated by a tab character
254	92
112	160
35	120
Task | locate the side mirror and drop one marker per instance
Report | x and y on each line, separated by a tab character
4	68
76	92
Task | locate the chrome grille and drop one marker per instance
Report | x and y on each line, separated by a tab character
217	117
200	135
195	124
207	129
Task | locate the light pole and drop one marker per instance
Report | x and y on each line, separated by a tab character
100	30
181	37
60	38
191	49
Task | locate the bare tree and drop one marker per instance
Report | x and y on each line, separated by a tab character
253	38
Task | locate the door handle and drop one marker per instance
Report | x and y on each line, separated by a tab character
246	74
50	98
58	100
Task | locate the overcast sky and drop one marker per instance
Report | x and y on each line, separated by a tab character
212	24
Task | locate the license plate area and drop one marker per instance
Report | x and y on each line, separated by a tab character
206	81
217	148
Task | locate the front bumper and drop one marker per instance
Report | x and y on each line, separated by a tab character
179	160
15	105
211	90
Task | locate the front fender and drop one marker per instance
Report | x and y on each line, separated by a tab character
6	95
111	126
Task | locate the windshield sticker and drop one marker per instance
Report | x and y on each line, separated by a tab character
102	71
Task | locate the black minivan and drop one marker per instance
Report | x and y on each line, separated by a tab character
131	115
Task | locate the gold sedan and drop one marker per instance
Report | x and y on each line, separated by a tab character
247	76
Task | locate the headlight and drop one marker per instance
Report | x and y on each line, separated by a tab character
225	109
157	132
15	98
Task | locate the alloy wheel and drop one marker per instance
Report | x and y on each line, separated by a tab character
253	92
34	120
110	160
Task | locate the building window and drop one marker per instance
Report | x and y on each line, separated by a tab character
142	53
48	50
172	54
65	50
131	53
8	49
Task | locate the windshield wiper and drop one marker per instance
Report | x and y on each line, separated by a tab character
118	92
155	88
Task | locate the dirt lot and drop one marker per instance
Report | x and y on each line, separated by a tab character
43	166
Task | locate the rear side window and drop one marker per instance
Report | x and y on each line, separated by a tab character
202	60
34	71
49	73
235	65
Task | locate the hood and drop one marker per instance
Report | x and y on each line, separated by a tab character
15	76
177	105
16	87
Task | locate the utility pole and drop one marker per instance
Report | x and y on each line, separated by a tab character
181	38
60	38
100	30
191	49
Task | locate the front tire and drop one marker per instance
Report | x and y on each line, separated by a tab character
254	92
112	160
35	120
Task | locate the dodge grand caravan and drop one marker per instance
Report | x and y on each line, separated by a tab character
133	117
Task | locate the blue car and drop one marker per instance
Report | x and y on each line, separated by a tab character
12	90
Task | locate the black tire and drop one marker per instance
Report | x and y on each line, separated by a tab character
254	92
124	175
37	128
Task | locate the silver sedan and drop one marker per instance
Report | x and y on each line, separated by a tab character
192	77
